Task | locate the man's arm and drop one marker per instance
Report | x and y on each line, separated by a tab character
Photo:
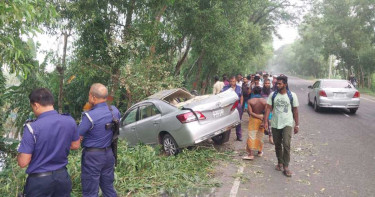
84	126
266	114
75	144
23	159
296	120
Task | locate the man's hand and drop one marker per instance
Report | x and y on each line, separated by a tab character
265	125
296	129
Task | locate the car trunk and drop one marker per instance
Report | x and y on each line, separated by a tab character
213	107
340	93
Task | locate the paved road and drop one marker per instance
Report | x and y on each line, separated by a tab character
333	155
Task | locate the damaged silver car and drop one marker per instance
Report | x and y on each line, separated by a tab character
177	119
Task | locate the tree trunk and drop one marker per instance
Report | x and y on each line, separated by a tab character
181	61
199	63
61	71
157	20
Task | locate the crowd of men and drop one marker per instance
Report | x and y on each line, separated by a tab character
272	110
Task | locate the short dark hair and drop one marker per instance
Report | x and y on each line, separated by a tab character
216	78
256	78
248	77
266	80
283	78
42	96
257	90
239	74
225	77
232	77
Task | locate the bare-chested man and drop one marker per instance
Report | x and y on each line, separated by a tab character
256	107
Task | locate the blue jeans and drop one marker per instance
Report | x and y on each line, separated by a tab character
98	170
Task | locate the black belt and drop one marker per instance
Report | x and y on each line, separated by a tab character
92	149
41	174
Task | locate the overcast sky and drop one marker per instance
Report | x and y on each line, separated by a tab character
288	33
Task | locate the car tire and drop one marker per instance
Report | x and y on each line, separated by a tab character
316	106
353	111
170	146
309	103
222	138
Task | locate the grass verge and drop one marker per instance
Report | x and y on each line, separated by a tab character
367	91
141	171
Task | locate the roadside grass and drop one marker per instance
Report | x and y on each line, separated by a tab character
141	171
370	92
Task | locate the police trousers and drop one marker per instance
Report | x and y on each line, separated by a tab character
58	184
98	170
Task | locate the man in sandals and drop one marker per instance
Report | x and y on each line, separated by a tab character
283	104
256	107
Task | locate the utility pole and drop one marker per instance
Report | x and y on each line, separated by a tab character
330	66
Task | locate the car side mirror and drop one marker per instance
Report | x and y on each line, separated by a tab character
310	87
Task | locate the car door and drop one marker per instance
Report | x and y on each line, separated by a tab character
148	124
312	91
128	127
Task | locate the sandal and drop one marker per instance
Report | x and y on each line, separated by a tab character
260	154
278	167
287	173
248	158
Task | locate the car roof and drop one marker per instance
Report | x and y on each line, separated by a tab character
333	80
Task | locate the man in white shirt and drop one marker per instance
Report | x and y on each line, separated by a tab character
218	86
239	80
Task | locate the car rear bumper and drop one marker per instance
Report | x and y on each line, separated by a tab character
339	103
195	132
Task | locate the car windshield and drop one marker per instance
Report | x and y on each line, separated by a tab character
336	84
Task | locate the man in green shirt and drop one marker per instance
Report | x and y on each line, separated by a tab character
283	105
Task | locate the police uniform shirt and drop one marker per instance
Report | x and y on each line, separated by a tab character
94	131
50	143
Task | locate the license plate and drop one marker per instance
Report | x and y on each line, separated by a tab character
218	113
339	95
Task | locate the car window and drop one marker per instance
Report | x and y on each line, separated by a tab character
130	117
336	84
148	111
316	84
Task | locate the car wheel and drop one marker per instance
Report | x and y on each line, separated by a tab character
222	138
353	111
308	100
316	106
170	146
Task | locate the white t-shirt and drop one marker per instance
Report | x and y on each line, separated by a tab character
282	115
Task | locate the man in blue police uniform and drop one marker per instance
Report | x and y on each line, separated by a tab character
45	146
97	156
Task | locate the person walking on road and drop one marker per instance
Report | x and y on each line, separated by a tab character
237	89
256	107
283	104
266	91
98	161
218	86
246	90
45	146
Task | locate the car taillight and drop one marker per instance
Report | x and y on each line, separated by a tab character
322	93
190	117
357	95
234	105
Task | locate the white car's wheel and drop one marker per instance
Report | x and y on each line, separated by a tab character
170	146
308	101
316	106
